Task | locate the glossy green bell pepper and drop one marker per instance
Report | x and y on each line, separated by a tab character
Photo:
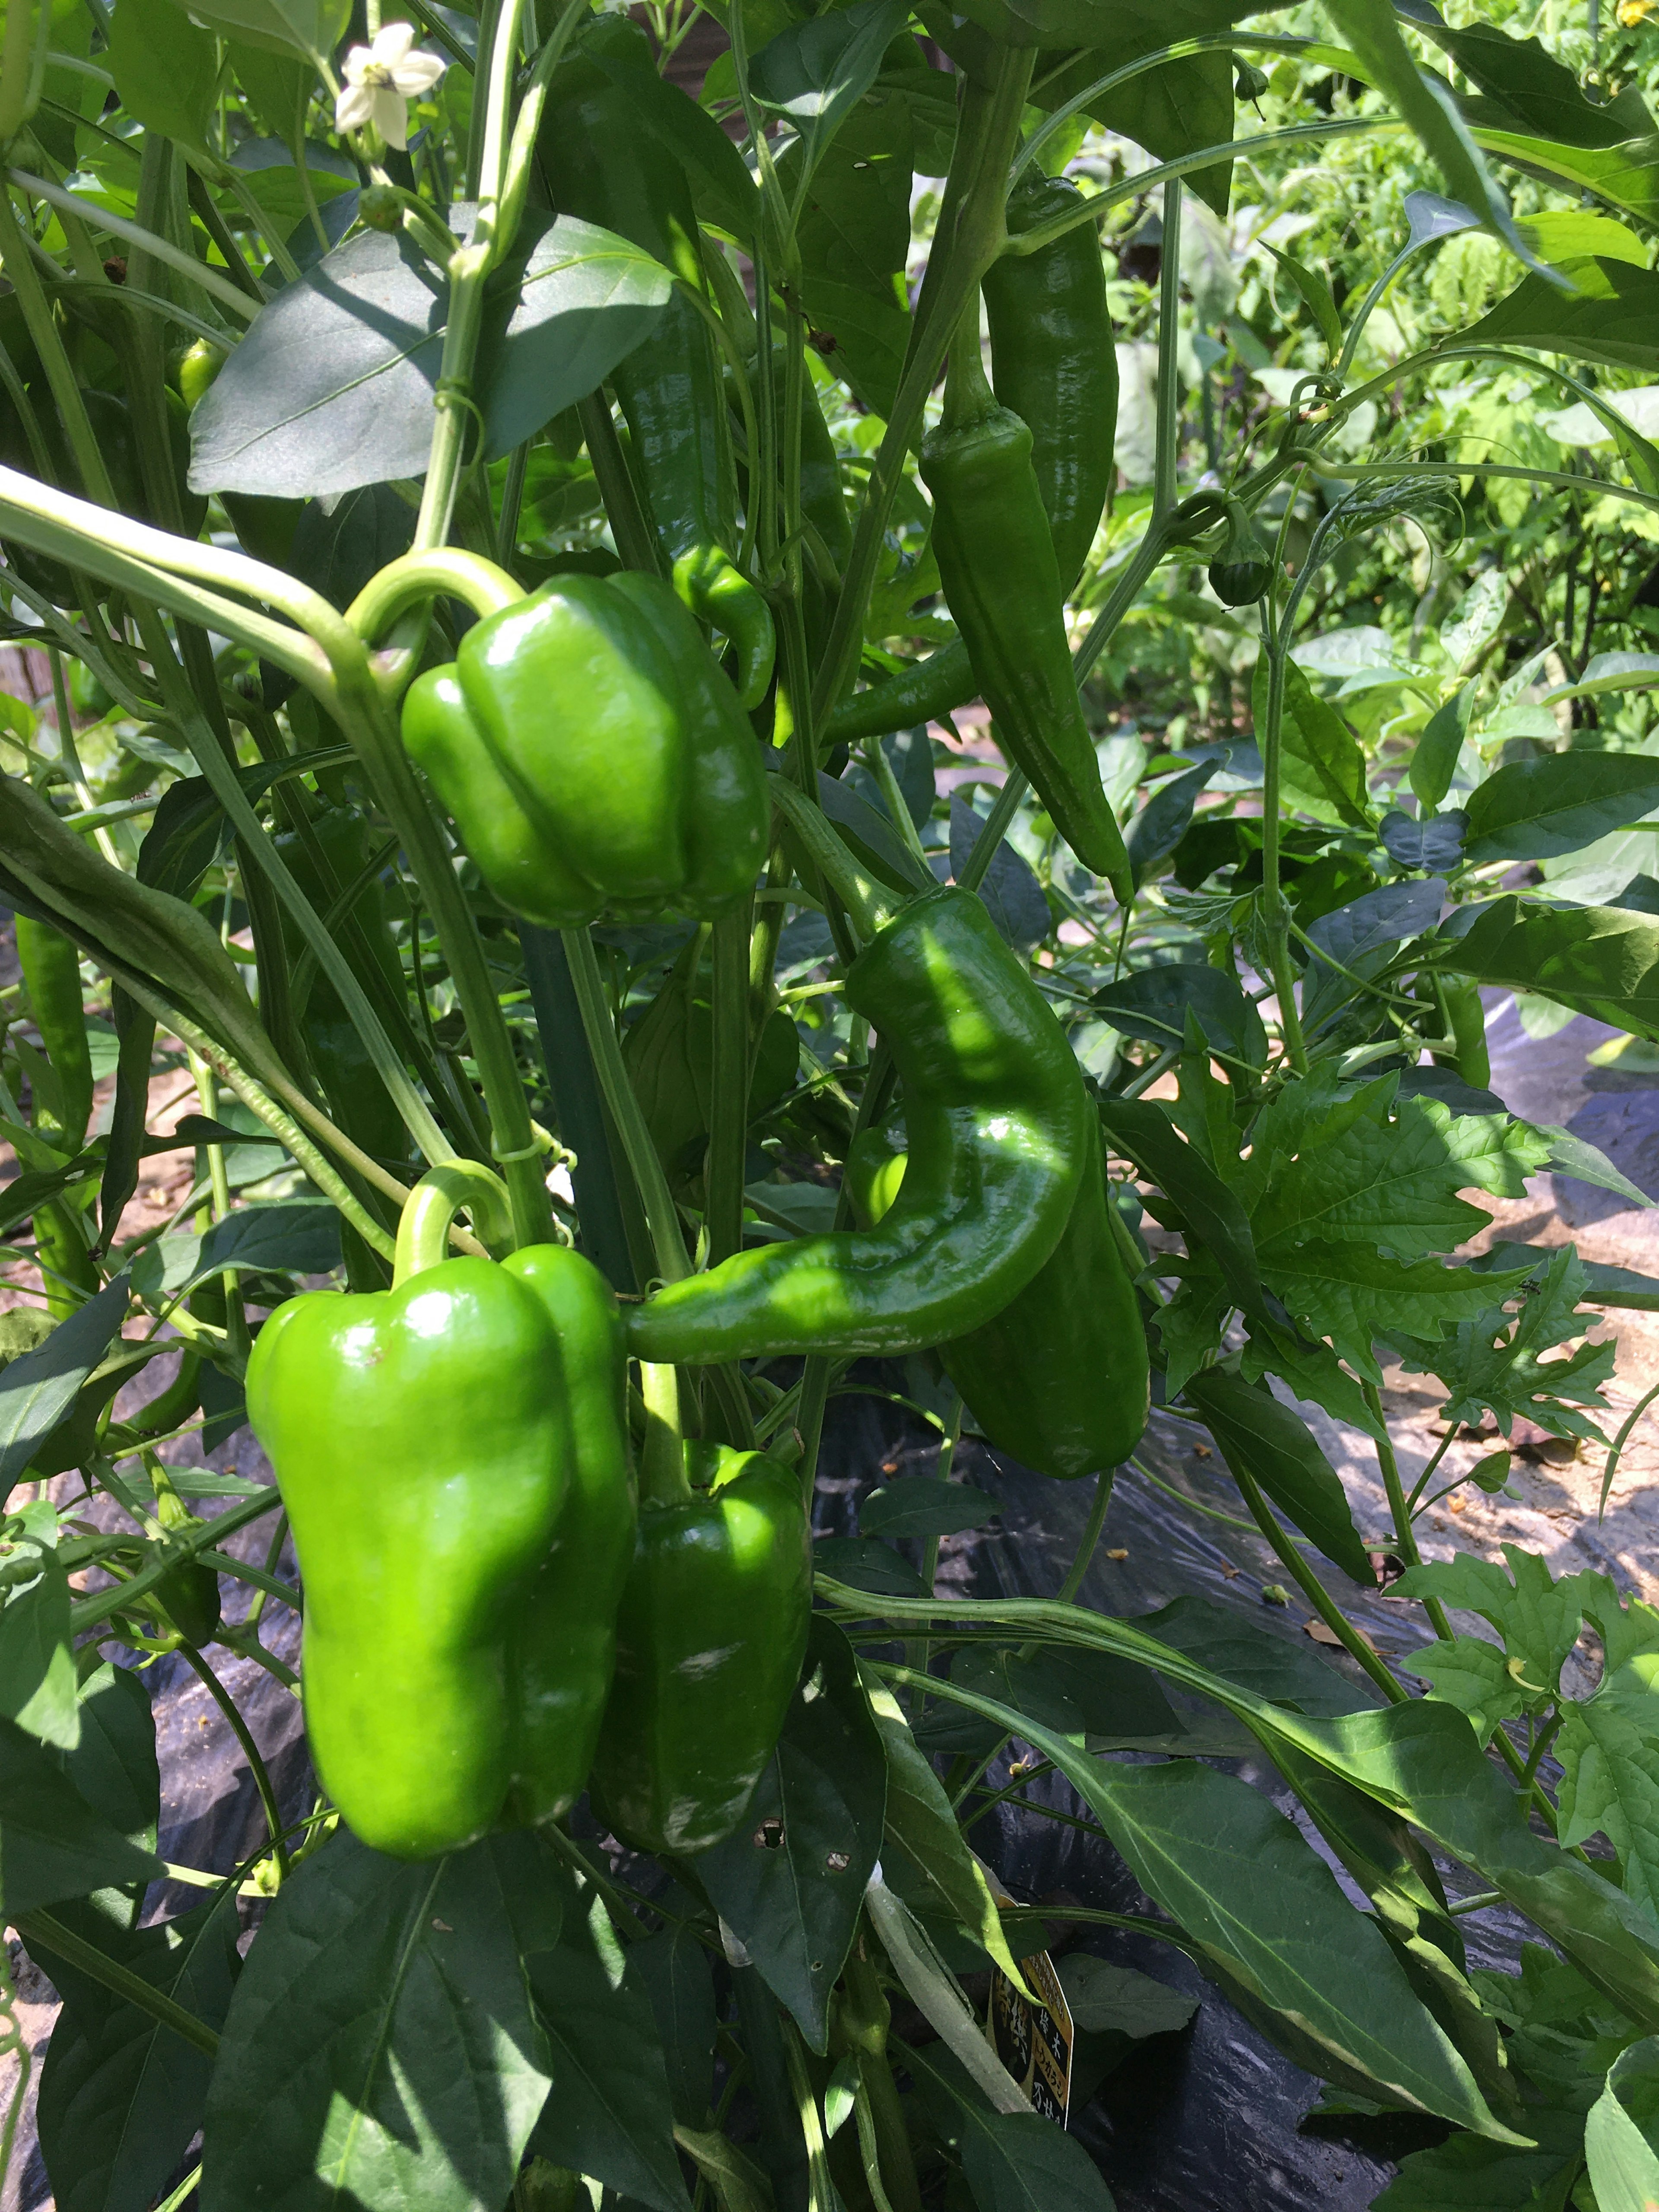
594	756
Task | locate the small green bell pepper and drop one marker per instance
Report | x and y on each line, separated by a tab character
594	756
709	1642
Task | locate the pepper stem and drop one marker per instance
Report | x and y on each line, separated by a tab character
437	1199
969	398
662	1461
871	905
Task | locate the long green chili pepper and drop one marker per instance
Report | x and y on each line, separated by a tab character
996	560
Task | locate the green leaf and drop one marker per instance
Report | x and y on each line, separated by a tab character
738	2184
1284	1672
920	1825
113	1766
1434	761
1363	938
1353	1295
1317	297
1266	1441
672	1969
1261	1909
1475	1676
1533	810
1599	960
1621	2136
1539	94
121	2096
1608	1746
720	183
1608	672
1164	821
381	2045
1014	2162
608	2113
1153	1003
1323	769
1371	29
1492	1364
816	72
917	1505
1477	2176
790	1883
52	1844
331	388
854	236
1613	318
295	1237
38	1390
37	1667
1109	2000
166	71
1211	1212
308	28
867	1565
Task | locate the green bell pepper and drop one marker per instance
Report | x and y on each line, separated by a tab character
429	1441
594	756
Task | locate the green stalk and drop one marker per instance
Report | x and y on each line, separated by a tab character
250	1750
1314	1590
1275	644
728	1101
1167	439
50	1935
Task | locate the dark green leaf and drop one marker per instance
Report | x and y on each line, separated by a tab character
609	2111
1434	846
166	71
1323	767
1600	960
853	238
721	185
1143	1134
1014	2162
1162	821
331	388
1537	94
1477	2176
1152	1004
52	1844
866	1564
922	1829
37	1668
381	2047
1317	296
1434	762
39	1389
917	1505
1264	1440
672	1969
1361	937
1621	2136
121	2095
1265	1913
1613	318
1533	810
816	72
295	1237
336	547
790	1882
1109	2000
307	28
1008	887
871	837
1271	1666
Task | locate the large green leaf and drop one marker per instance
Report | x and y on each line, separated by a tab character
37	1668
1626	177
1621	2136
1211	1212
608	2113
113	1766
672	1968
298	1237
121	2095
165	69
920	1826
52	1843
853	238
39	1389
1602	961
1323	769
1153	1004
331	387
1533	810
382	2047
790	1883
1353	1295
1273	1446
1525	86
1014	2162
818	71
307	28
1613	318
1477	2176
724	189
1264	1911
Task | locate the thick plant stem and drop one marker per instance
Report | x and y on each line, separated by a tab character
662	1216
40	1929
662	1461
1275	910
728	1097
970	234
1167	442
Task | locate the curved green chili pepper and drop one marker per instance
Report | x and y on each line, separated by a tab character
999	1125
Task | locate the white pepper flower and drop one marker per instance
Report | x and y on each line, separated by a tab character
381	81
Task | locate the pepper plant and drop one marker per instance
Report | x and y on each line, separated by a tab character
503	532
